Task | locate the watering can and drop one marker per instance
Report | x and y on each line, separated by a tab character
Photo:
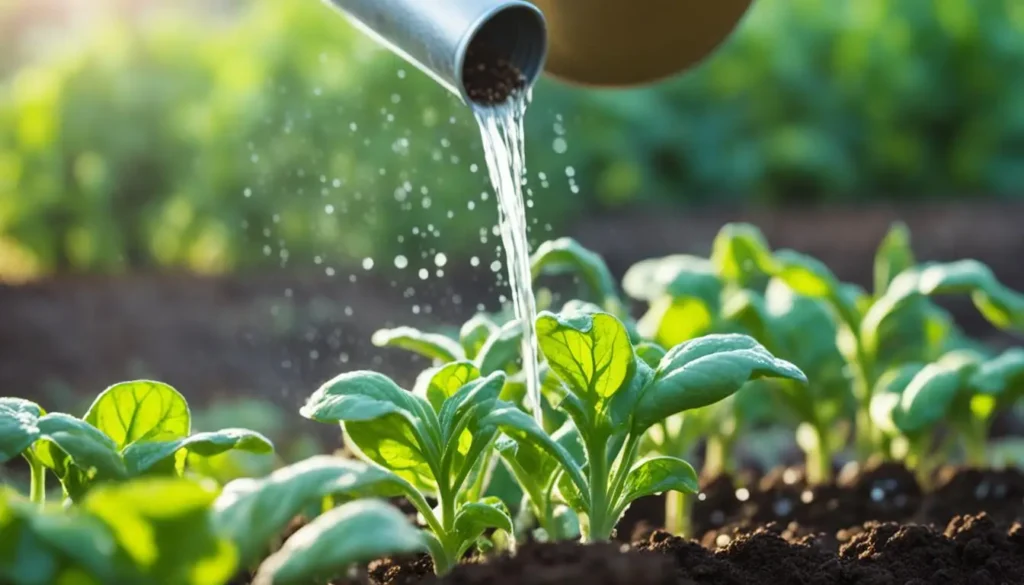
601	43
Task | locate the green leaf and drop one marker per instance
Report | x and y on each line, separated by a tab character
77	447
523	429
474	334
748	310
362	396
40	546
740	253
928	397
19	426
164	526
383	423
1002	307
141	457
440	383
356	532
657	475
704	371
893	257
886	396
502	349
431	345
648	280
1002	375
569	492
806	275
672	320
567	256
251	512
479	395
591	353
132	412
476	517
650	353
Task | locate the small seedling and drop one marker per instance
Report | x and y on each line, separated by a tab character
962	388
432	442
899	325
148	531
253	512
132	429
613	398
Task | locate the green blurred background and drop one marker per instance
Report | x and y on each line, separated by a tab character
235	135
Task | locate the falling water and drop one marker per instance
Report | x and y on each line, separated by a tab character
501	127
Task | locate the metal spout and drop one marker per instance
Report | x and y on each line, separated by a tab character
436	35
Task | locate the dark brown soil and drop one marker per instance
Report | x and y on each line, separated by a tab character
971	550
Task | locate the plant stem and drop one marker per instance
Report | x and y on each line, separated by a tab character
716	455
37	487
819	459
975	439
597	460
677	513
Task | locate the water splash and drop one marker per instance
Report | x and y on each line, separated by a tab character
501	128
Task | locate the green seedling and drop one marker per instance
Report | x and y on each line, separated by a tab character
613	398
149	531
801	329
900	324
253	512
132	429
962	389
432	442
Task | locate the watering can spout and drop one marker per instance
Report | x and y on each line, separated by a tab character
610	43
451	39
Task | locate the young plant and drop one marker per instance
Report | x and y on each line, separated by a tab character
613	398
149	531
132	429
962	388
801	330
899	324
431	442
252	513
690	297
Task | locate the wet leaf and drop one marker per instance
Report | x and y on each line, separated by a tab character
591	353
431	345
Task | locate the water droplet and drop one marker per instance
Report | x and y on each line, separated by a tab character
424	274
496	266
367	263
440	260
560	146
474	261
401	261
743	494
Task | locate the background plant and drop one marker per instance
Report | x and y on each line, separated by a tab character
131	430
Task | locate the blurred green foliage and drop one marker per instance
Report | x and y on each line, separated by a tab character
239	135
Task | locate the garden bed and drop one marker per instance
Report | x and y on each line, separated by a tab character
752	352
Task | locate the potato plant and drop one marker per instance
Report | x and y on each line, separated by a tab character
132	429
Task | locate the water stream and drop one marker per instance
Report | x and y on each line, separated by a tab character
501	128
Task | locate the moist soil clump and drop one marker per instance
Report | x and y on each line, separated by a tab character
490	79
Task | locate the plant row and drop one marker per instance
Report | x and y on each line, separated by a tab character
745	338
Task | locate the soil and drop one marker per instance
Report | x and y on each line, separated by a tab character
969	550
872	526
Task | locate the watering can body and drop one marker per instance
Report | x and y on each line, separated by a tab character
609	43
616	43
